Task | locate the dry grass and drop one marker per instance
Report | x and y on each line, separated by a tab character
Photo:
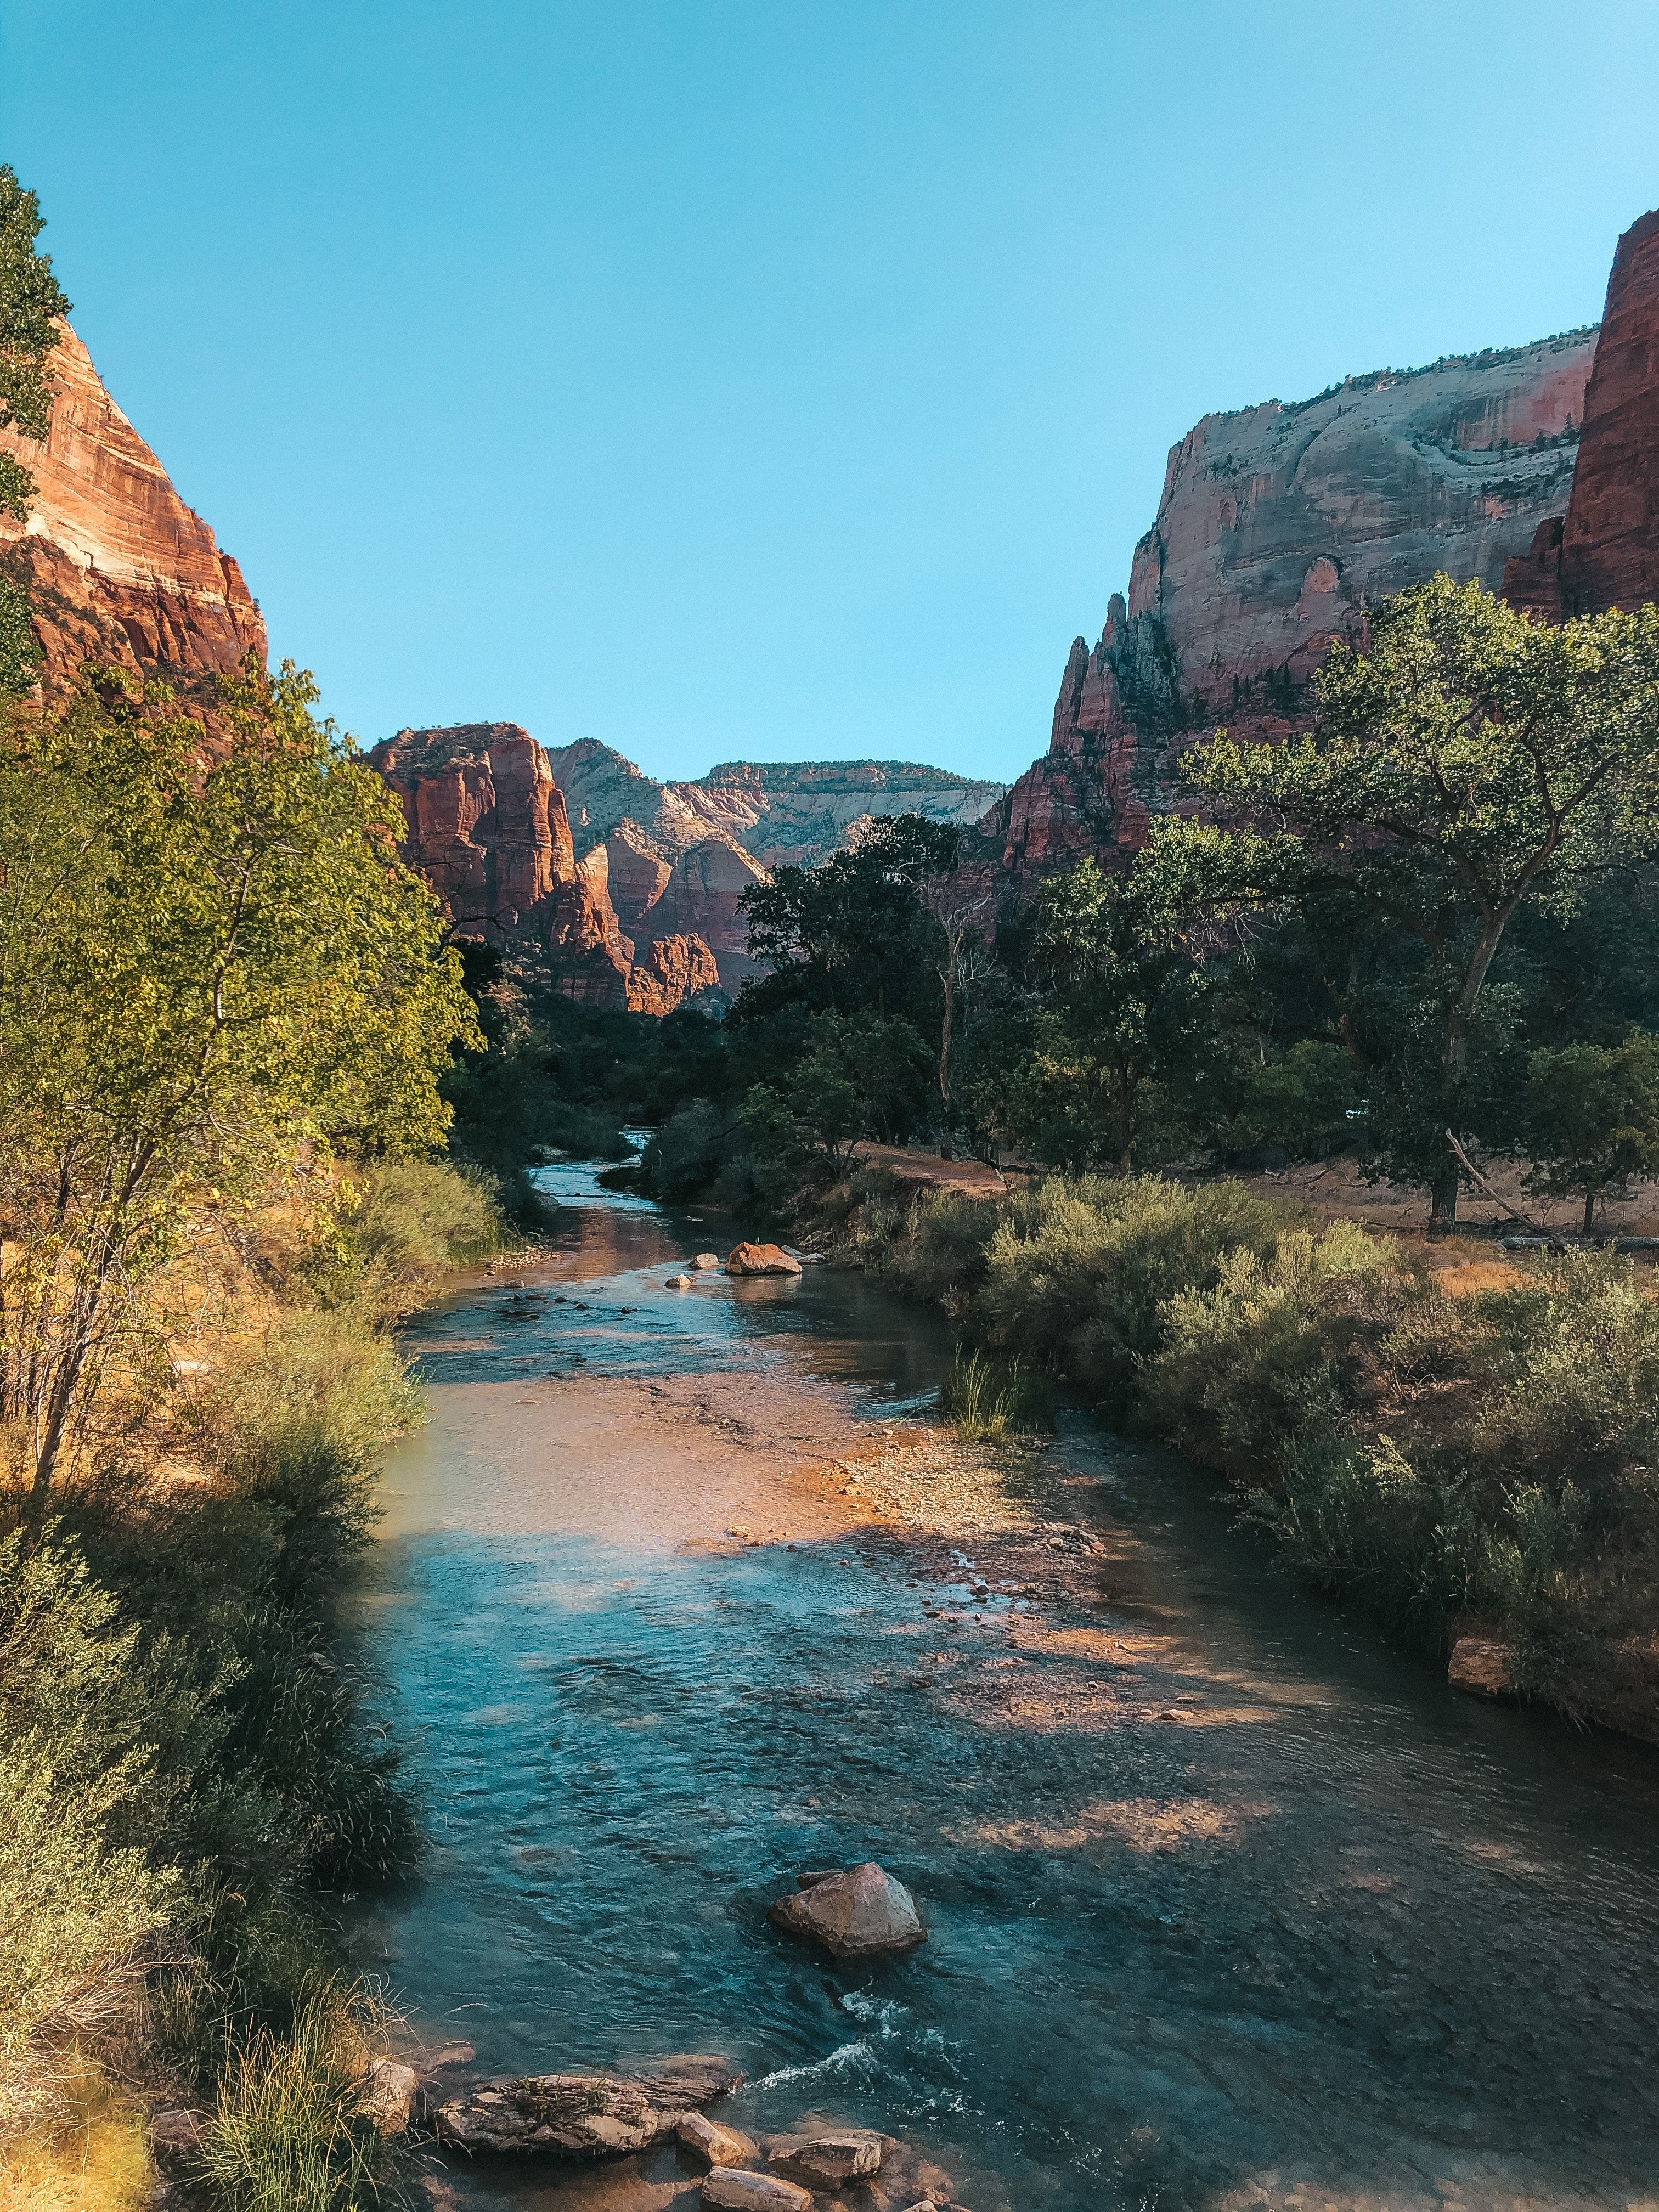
94	2159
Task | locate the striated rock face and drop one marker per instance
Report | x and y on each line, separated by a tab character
489	828
117	568
1277	526
1610	541
680	855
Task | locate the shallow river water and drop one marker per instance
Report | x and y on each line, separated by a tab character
1323	1935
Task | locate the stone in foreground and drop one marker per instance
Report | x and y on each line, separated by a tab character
677	1283
760	1260
387	2095
730	2190
1482	1666
719	2146
585	2115
855	1914
826	2162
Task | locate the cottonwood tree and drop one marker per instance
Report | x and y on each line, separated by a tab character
214	973
1594	1116
1464	762
1124	1040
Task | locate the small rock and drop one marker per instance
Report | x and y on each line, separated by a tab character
1480	1666
677	1283
387	2095
707	1260
825	2161
730	2190
854	1913
178	2129
719	2146
760	1260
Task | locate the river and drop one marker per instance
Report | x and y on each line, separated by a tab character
1263	1917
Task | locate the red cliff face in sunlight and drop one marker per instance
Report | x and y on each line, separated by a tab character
1276	526
488	829
116	566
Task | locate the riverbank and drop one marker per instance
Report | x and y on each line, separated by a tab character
186	1783
678	1595
1465	1453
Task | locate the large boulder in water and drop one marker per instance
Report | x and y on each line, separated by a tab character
729	2190
827	2160
760	1260
584	2115
855	1914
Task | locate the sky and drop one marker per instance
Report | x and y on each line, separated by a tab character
776	380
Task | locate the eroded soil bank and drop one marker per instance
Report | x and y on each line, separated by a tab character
1229	1908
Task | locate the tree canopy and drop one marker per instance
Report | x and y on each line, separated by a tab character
214	973
1464	762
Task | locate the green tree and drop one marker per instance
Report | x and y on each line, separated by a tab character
214	973
32	303
1593	1117
851	935
1466	762
1124	1042
862	1077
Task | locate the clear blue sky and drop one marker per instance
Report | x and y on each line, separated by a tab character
777	380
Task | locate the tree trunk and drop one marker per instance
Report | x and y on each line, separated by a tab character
1442	1207
1590	1211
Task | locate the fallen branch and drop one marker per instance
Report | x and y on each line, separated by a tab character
1473	1172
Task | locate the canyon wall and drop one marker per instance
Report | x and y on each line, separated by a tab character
1603	551
679	856
118	569
1277	524
488	826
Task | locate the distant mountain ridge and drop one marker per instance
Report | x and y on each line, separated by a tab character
634	899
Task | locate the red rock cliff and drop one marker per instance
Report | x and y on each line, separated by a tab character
1277	524
116	566
488	828
1610	545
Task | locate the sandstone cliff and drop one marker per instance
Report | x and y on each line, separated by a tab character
679	856
1277	524
1604	551
116	566
489	828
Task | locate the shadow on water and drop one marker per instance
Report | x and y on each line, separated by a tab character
1321	1926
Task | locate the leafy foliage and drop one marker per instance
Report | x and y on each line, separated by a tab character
209	976
1467	762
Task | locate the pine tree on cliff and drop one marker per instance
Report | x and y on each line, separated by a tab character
31	304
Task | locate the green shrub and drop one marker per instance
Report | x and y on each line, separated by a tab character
286	2136
418	1217
992	1399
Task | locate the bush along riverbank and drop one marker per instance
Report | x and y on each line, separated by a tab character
225	1010
187	1783
1461	1458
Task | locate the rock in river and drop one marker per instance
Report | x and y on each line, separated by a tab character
719	2146
1480	1666
707	1260
387	2095
760	1260
854	1913
730	2190
585	2115
826	2162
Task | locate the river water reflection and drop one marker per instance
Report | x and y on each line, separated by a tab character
1325	1936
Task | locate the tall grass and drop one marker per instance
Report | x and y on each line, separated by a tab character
288	2135
990	1399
